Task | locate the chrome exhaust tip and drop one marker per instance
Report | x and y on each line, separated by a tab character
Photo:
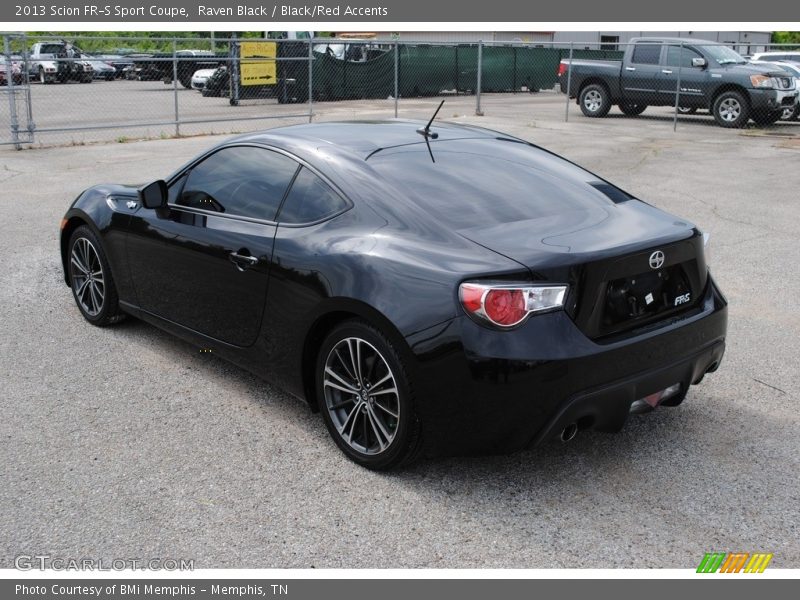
569	432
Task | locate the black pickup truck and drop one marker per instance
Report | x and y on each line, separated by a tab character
709	75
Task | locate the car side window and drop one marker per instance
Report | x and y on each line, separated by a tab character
310	200
646	54
174	191
242	181
681	57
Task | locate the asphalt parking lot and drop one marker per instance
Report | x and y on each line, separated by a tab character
125	442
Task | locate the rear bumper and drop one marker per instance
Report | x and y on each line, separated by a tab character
480	391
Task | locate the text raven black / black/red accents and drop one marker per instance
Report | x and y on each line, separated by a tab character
496	298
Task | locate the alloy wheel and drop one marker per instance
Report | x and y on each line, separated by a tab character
88	280
730	109
593	100
361	396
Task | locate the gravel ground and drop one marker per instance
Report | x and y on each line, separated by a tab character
124	442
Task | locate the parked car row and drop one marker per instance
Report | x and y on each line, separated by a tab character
708	76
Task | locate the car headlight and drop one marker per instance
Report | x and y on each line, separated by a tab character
508	305
762	81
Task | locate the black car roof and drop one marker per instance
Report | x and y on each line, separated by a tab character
361	138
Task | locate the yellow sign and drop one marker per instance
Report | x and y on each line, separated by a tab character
258	66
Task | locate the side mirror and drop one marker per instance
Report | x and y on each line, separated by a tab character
699	62
154	195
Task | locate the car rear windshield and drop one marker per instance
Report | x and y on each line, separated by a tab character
489	182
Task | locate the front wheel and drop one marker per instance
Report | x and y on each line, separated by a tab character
595	100
90	278
632	110
731	109
365	397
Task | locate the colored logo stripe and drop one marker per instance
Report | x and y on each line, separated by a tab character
758	562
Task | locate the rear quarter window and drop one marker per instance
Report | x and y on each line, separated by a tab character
646	54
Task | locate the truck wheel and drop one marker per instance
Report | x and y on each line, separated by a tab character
595	101
731	109
764	119
632	109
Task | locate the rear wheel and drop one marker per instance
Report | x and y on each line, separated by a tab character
90	278
731	109
365	397
633	109
595	100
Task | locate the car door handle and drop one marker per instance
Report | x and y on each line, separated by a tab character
666	71
242	261
630	68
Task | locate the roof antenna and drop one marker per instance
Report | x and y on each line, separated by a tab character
426	131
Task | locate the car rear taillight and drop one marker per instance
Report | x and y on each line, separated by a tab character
508	305
562	68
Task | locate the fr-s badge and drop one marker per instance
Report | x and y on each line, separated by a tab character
683	299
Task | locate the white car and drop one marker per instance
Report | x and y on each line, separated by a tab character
776	55
200	77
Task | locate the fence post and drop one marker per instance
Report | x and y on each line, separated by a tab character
396	75
310	79
175	86
677	89
569	83
478	111
12	100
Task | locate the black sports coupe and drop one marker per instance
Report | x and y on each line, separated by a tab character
430	290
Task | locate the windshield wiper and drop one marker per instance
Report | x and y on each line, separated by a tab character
427	133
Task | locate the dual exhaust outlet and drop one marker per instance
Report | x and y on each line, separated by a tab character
569	432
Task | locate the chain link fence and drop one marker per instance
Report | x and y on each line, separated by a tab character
96	89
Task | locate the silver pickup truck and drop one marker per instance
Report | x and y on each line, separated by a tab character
58	61
693	73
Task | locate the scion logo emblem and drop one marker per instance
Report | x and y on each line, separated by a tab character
657	259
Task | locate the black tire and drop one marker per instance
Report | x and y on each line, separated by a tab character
350	411
764	119
731	109
79	255
595	101
632	110
686	110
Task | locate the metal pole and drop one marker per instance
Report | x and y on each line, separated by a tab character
478	112
175	86
12	101
310	80
677	89
396	75
569	83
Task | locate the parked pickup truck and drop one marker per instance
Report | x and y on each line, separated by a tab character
58	61
712	76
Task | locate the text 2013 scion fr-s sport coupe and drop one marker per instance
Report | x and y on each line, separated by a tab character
429	291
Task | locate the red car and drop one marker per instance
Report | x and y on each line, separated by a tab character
16	73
